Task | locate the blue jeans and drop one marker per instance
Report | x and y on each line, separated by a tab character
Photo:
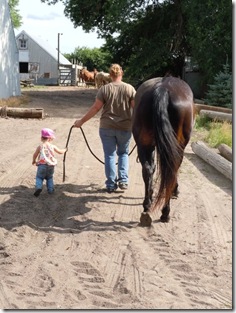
115	143
45	171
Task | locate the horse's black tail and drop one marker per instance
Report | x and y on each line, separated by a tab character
169	152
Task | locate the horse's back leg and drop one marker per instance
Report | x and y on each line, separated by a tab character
175	192
146	157
165	213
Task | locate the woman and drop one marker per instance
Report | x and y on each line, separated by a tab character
117	101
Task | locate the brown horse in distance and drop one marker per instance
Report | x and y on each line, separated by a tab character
88	76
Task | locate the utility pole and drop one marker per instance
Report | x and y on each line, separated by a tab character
58	57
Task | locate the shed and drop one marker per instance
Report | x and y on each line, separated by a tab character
9	55
39	61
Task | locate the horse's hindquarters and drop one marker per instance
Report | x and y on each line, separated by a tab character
162	120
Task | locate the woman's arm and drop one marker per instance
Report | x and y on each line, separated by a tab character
92	111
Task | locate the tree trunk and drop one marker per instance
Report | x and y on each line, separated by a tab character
214	159
21	112
218	116
225	151
199	107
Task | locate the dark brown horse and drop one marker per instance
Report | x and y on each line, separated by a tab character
162	123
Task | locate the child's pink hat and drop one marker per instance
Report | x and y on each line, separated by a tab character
47	133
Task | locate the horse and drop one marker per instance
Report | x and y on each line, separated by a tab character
88	76
162	124
102	79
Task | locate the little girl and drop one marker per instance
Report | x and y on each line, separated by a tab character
44	159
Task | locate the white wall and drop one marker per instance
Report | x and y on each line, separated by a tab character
9	55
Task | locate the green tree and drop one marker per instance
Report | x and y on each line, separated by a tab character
220	92
91	58
153	44
209	33
151	37
107	17
15	16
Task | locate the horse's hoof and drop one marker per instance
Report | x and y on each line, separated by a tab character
145	220
175	195
165	219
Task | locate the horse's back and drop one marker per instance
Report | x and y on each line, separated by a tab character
178	89
179	92
179	105
143	100
146	86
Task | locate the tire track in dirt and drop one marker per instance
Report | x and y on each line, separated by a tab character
209	232
197	294
83	249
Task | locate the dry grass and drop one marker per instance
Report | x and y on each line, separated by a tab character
14	101
213	132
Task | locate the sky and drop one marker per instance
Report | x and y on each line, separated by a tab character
46	21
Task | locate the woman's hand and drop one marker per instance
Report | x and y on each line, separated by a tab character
78	123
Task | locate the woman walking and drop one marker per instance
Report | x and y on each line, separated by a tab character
116	100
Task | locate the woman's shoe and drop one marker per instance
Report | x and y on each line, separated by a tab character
110	190
123	186
37	192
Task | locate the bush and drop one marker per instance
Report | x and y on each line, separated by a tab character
220	93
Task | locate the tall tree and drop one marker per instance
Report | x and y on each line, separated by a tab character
151	37
91	58
15	16
209	32
106	16
153	44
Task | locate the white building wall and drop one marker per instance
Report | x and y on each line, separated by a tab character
47	64
38	60
9	55
24	56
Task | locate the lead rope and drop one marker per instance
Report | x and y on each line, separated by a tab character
86	141
64	159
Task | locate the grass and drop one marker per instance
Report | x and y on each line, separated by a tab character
19	101
14	101
214	132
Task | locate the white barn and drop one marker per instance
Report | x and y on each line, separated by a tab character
9	55
38	60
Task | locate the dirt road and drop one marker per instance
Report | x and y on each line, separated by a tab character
82	248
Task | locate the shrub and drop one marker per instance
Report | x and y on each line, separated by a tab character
220	93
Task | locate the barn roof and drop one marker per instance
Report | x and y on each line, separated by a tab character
46	46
